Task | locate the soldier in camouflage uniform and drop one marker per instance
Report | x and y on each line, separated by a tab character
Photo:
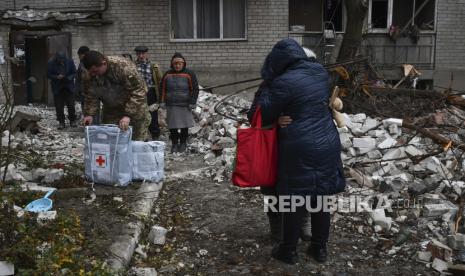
116	83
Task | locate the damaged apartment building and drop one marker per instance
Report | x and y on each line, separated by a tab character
227	40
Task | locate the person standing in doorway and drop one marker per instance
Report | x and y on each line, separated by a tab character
61	72
151	74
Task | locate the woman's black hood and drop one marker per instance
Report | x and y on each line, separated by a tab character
178	55
285	53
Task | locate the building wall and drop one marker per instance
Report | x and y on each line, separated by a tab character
450	44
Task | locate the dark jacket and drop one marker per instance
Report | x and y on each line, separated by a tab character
68	69
179	88
309	148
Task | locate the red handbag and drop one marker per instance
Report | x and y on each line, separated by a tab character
256	155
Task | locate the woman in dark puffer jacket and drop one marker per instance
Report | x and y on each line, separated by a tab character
309	161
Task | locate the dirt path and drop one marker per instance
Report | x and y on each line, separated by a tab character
217	229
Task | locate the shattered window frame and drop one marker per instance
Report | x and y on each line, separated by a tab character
371	29
194	25
390	17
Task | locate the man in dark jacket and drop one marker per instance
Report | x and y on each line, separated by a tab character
61	71
309	161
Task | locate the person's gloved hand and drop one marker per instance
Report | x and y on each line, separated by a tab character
153	107
192	106
163	106
124	123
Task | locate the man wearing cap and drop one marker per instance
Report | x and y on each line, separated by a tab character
151	74
61	71
114	81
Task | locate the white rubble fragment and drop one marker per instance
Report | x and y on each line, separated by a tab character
374	154
142	271
53	175
439	265
434	164
157	235
346	141
392	121
369	124
434	210
387	143
456	241
7	268
379	218
424	256
11	173
394	154
413	151
43	217
394	130
358	118
141	251
364	142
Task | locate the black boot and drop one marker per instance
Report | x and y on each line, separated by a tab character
274	218
174	147
284	255
183	139
61	126
318	252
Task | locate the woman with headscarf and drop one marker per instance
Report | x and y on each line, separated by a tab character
179	92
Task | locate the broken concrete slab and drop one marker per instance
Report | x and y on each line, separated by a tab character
394	154
346	140
424	256
364	142
435	210
392	121
439	250
387	143
439	265
142	271
358	118
456	241
413	151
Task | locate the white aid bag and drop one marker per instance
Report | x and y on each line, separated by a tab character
108	155
149	163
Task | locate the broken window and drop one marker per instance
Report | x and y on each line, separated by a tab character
208	19
313	15
379	14
404	12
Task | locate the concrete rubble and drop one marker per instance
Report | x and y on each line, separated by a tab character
378	156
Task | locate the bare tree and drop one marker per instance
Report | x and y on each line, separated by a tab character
356	10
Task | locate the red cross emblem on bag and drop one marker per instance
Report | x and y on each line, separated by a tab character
100	160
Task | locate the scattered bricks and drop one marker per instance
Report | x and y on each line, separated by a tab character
157	235
365	142
457	241
387	143
7	268
435	210
392	121
439	250
376	133
433	164
439	265
424	256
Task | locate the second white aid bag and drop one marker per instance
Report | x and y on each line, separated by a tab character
149	161
108	155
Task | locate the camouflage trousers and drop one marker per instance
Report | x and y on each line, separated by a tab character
139	124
